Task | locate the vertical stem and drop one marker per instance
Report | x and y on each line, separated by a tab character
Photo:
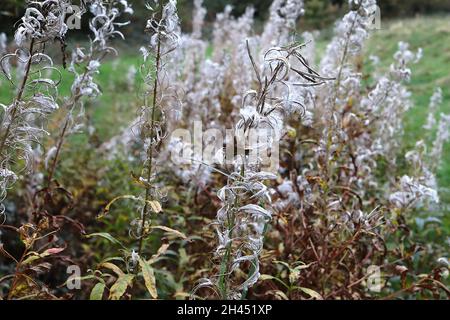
70	107
223	272
224	265
150	148
18	98
58	150
335	94
16	272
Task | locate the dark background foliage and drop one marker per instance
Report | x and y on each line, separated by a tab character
319	13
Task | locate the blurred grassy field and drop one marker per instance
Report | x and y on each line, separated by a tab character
432	34
118	106
113	109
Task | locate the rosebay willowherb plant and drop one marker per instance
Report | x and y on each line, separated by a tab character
293	184
217	83
21	121
50	199
85	64
164	30
332	195
331	198
163	27
241	221
22	129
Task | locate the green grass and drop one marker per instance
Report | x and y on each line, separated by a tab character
113	109
432	34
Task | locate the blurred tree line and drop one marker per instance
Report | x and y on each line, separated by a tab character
319	13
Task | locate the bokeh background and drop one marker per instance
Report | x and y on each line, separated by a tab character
318	13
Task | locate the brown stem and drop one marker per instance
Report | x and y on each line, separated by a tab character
18	98
58	150
16	273
336	86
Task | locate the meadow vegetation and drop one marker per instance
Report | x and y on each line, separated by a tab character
361	119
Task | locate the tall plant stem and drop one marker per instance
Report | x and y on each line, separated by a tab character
335	95
150	148
224	265
18	97
223	272
62	136
58	151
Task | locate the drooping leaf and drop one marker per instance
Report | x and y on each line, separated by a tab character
108	206
149	278
33	256
311	293
155	205
160	252
113	267
52	251
256	210
88	277
266	277
171	231
283	263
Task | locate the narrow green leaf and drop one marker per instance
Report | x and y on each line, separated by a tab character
267	277
33	256
106	236
97	291
264	277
